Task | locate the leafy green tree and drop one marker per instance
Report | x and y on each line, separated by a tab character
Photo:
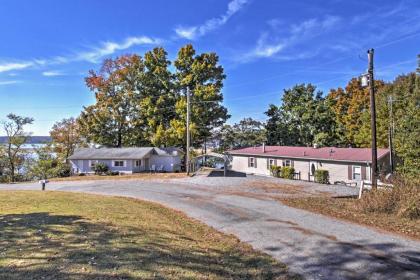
405	91
2	162
248	132
45	165
16	138
203	76
157	105
303	117
276	129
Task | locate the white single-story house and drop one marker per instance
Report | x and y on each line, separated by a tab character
127	160
343	164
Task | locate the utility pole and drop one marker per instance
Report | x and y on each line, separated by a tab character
373	119
188	132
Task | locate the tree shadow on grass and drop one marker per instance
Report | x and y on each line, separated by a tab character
45	246
332	259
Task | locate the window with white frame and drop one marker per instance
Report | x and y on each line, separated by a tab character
138	163
357	172
287	162
252	162
119	163
92	163
271	162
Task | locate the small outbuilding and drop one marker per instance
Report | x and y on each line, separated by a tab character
127	160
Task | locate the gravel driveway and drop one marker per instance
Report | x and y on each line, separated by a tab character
313	245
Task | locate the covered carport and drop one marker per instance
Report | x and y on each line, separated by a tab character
195	162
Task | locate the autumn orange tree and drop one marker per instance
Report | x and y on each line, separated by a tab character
117	87
351	107
66	137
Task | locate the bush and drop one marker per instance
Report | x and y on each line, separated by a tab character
322	176
82	174
100	168
402	200
64	170
4	179
287	172
112	173
275	171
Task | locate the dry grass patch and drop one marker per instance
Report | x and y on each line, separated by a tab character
396	210
59	235
273	187
136	176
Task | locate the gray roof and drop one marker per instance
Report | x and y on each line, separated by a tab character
122	153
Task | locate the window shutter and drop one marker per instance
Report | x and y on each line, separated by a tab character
275	162
255	162
350	171
249	162
292	163
268	163
363	172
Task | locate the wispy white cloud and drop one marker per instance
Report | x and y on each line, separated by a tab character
53	73
11	66
3	83
192	32
108	48
307	27
93	55
264	49
269	45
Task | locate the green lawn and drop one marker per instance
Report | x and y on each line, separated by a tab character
59	235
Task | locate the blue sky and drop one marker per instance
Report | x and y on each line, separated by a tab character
48	46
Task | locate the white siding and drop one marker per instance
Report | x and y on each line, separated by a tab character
240	164
302	167
337	171
169	163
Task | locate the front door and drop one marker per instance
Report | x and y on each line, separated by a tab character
313	168
313	165
146	164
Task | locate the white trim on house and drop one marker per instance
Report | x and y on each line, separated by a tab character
271	162
124	163
356	170
92	163
287	162
252	162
